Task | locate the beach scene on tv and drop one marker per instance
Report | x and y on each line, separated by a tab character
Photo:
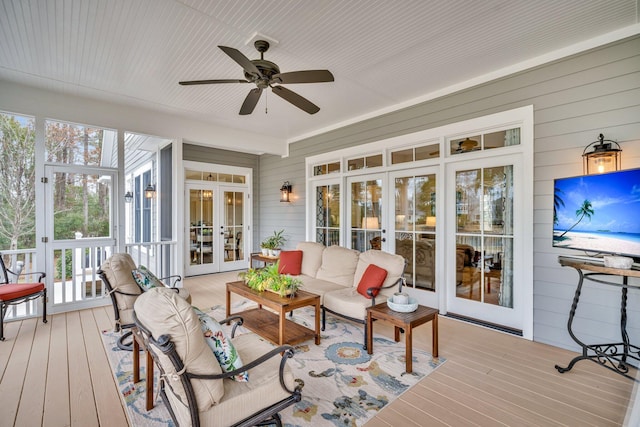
598	213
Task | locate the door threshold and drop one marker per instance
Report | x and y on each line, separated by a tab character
489	325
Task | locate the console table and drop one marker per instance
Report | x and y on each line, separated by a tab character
612	356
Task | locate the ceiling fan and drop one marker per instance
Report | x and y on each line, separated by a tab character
266	74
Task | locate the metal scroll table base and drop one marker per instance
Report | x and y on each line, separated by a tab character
613	356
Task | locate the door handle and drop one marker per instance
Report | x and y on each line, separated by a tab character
384	240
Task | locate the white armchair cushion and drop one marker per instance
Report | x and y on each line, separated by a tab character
163	312
117	269
338	265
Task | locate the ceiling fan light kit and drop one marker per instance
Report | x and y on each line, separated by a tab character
266	74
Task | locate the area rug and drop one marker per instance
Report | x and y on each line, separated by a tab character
343	385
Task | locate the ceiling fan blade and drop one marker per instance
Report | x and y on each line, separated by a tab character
244	62
250	101
295	99
308	76
210	82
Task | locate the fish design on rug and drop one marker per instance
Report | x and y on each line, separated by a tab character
326	373
384	379
349	409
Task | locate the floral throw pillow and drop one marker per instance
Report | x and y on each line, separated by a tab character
145	279
222	347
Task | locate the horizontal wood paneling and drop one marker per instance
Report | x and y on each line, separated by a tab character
574	100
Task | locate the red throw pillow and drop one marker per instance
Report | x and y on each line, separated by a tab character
373	276
290	262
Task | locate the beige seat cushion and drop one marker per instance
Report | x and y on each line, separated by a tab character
163	312
318	286
117	269
338	265
349	302
394	264
311	257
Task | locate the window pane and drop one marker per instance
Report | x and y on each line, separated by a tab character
81	206
374	161
80	145
468	201
17	182
428	152
355	164
189	174
402	156
225	177
320	170
328	214
503	138
333	167
465	145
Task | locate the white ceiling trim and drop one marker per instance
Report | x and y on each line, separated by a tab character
582	46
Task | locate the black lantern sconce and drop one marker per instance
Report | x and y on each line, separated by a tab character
603	158
150	191
128	197
285	191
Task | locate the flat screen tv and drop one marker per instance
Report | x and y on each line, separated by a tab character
598	214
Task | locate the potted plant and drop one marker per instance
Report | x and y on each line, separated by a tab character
268	279
272	244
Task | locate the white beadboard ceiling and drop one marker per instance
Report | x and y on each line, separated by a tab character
383	53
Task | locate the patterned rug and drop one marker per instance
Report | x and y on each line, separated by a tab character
344	386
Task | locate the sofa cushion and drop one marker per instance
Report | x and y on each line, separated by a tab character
290	262
338	265
117	269
222	347
394	264
145	278
311	257
318	286
373	277
163	312
349	302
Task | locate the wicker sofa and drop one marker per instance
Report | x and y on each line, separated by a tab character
335	272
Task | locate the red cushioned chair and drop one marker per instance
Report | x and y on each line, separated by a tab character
17	293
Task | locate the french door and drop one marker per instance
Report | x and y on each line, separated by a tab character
216	236
484	239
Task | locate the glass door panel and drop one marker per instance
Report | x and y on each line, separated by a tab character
415	228
233	226
484	235
366	214
201	217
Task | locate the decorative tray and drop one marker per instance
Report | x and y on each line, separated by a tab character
404	308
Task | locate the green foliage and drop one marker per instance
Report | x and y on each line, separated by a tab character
68	260
268	278
274	241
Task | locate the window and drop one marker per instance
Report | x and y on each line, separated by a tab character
327	224
422	152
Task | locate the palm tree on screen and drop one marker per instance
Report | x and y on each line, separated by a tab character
585	210
557	203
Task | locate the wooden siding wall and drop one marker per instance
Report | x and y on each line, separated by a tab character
574	100
199	153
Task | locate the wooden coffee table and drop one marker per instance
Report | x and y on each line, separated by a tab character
406	321
275	327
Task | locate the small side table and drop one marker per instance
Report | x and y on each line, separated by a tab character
257	256
138	343
406	321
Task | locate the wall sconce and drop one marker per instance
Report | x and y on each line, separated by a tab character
150	191
285	191
603	158
128	197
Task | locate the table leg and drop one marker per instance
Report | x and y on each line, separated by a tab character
136	359
396	333
434	335
408	338
282	319
369	333
228	304
149	381
317	322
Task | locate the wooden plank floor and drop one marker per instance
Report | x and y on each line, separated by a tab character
57	374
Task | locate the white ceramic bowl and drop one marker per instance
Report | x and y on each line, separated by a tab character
404	308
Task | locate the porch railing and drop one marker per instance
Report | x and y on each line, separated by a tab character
72	282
